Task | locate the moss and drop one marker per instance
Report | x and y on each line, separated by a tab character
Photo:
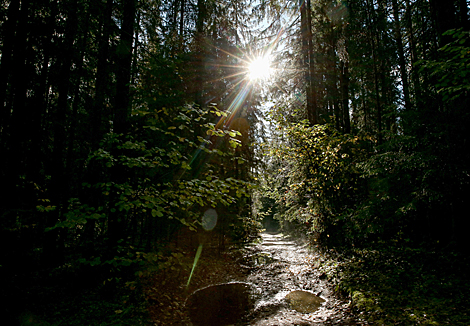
361	301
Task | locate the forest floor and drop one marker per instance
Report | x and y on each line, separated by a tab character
400	286
382	286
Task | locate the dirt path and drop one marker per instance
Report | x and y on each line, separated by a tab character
271	269
279	265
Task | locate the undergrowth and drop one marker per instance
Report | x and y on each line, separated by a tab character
166	289
399	285
142	288
65	299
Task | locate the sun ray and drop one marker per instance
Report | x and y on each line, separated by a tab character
244	80
229	76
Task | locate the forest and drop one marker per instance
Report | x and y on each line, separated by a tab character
139	135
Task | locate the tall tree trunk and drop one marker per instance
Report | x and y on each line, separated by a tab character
54	241
200	52
372	39
307	59
16	120
6	66
97	116
345	96
401	55
124	67
102	77
413	53
312	104
122	110
182	22
70	165
445	19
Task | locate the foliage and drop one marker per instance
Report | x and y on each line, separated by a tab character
402	285
402	164
452	67
122	122
322	179
90	306
120	132
143	192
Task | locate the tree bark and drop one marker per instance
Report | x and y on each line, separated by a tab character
416	86
372	39
55	240
401	55
345	96
122	107
16	118
124	64
312	104
308	62
10	27
444	17
97	116
182	21
200	52
102	77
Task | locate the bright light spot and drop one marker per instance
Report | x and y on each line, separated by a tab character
259	68
209	219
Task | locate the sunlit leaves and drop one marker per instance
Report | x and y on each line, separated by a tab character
321	179
146	192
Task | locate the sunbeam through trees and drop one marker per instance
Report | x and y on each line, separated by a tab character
145	145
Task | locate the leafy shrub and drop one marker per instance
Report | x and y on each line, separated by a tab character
323	184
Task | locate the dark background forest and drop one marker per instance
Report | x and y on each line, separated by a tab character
127	125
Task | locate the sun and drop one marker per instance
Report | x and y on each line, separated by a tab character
259	68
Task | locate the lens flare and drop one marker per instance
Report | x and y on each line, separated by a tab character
196	258
209	219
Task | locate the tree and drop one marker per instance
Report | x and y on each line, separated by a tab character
383	62
106	147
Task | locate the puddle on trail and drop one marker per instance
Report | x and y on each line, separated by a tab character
221	304
303	301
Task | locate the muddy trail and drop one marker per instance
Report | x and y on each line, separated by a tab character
283	286
282	265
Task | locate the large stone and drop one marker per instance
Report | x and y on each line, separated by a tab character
221	304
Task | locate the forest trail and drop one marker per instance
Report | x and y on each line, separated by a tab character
280	265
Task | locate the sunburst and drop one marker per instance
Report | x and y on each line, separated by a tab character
260	68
